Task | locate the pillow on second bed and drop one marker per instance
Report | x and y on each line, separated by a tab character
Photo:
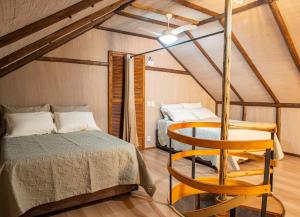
74	121
31	123
203	113
181	114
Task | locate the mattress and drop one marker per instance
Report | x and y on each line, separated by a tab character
40	169
214	133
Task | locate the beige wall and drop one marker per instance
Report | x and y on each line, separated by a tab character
58	84
290	130
70	84
170	88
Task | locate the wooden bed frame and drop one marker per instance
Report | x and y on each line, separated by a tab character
80	200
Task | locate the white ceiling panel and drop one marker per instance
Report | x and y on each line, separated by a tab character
196	63
170	5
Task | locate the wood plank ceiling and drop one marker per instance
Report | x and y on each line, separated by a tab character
265	53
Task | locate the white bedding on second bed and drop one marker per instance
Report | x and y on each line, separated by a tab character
214	133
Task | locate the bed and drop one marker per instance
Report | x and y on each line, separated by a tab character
44	173
209	133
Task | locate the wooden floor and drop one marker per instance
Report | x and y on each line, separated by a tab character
138	204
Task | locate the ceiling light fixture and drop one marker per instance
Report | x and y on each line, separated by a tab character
167	36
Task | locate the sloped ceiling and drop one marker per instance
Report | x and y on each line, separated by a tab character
256	30
29	11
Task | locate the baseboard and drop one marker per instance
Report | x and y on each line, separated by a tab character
292	154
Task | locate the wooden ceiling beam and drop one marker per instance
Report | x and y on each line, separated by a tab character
73	61
45	22
125	32
216	16
9	59
285	33
104	14
149	20
100	63
237	42
162	12
265	104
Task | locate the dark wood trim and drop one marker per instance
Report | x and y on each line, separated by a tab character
125	32
264	104
100	63
244	113
45	22
216	16
75	61
186	69
213	64
159	69
216	109
102	15
292	154
285	33
51	38
278	122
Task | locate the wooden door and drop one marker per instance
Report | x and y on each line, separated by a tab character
116	80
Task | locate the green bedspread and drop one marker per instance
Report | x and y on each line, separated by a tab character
39	169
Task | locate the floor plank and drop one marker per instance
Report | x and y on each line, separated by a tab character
138	204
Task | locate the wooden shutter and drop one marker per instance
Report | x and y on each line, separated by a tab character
116	94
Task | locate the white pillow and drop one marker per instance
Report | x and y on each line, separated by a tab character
181	114
192	105
74	121
33	123
165	108
203	113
